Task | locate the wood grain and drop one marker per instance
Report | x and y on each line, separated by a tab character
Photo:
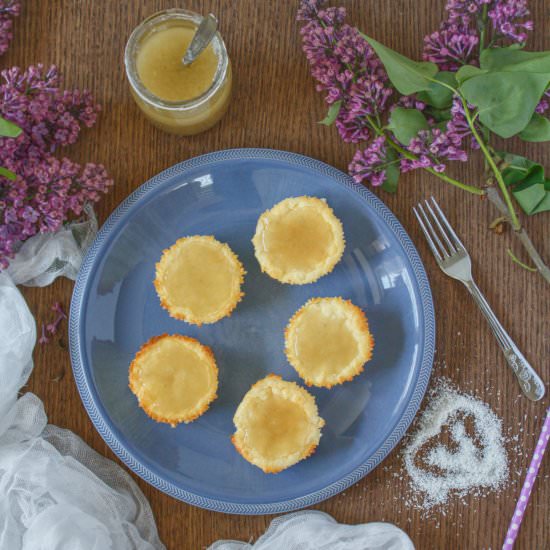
275	106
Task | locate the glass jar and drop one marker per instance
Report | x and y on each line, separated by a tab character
184	117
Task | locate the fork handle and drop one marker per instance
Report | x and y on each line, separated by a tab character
530	382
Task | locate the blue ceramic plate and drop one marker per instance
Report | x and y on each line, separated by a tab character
115	310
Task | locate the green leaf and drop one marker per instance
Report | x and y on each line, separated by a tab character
506	90
406	75
514	60
505	101
441	116
538	129
543	205
442	125
439	96
533	200
392	172
392	178
529	185
333	111
7	173
8	129
521	170
467	71
406	123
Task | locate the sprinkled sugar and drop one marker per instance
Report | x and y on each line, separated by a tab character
475	458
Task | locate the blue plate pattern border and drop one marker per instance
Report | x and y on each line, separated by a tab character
102	424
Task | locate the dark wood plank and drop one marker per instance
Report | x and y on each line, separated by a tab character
275	105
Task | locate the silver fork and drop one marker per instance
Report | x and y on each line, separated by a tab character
454	260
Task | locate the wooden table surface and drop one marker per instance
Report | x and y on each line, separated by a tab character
275	106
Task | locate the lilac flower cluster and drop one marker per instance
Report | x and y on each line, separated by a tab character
345	67
455	43
47	190
349	72
410	102
452	46
458	125
8	10
431	147
508	19
370	164
435	146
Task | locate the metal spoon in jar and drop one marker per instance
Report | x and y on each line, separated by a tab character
206	31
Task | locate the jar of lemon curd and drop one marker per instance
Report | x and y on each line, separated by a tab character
179	99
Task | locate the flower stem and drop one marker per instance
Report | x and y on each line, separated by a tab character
527	243
452	181
519	262
410	156
456	183
483	28
494	197
506	208
386	164
498	176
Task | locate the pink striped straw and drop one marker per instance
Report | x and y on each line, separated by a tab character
521	505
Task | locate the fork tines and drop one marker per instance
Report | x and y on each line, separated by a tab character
438	232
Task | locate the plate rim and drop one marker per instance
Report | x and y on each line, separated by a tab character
102	425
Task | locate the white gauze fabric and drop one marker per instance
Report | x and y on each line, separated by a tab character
44	257
56	493
313	530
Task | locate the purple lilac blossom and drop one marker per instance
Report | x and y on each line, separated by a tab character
544	103
368	97
345	67
43	338
508	19
458	125
8	10
347	70
57	308
431	147
369	164
434	146
47	190
451	46
409	102
456	41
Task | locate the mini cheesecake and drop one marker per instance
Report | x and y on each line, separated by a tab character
328	341
198	280
175	378
298	240
277	423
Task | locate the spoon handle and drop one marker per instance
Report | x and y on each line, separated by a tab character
206	31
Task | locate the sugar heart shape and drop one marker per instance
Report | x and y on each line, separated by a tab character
467	461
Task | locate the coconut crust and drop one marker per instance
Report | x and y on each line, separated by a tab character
185	314
360	330
134	382
299	277
292	392
268	469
